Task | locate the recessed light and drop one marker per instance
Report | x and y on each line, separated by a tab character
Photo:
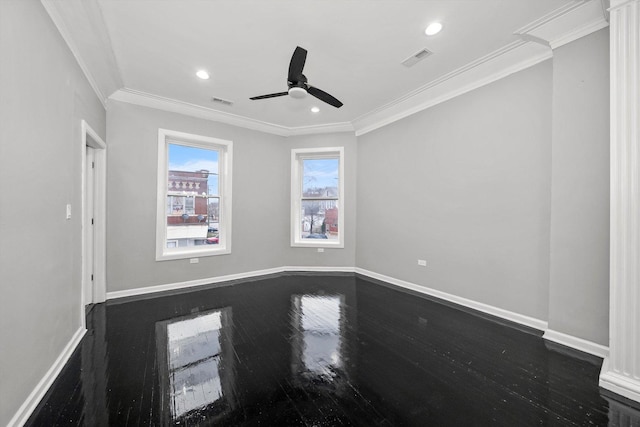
433	28
202	74
315	110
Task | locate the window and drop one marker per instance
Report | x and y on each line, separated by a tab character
317	187
194	196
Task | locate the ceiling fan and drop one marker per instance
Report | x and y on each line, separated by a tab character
297	82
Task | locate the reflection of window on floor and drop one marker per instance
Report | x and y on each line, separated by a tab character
318	336
195	361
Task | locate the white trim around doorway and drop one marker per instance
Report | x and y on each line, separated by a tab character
91	139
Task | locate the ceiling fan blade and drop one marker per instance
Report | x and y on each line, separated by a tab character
324	96
297	63
271	95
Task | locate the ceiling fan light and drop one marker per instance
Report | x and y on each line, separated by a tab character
297	92
433	28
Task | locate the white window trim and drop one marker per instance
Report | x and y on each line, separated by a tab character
225	162
297	155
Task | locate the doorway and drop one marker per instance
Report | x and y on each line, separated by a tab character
93	218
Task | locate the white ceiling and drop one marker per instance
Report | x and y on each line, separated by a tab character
151	49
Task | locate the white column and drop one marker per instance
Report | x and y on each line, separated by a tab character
621	370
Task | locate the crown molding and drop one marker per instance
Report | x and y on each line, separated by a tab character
575	19
145	99
136	97
80	24
512	58
569	23
325	128
52	9
551	16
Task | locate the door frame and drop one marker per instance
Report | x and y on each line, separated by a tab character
91	139
89	217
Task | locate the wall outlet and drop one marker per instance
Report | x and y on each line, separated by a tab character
68	211
194	260
422	262
320	249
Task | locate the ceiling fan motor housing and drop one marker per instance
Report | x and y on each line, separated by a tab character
297	92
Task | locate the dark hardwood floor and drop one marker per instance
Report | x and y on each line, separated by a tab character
319	350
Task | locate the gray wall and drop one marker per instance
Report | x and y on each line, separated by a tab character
261	195
579	281
464	185
44	97
260	172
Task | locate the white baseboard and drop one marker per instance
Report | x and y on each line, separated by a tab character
30	404
291	268
619	384
485	308
190	283
541	325
221	279
576	343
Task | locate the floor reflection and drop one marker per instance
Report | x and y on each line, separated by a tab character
317	341
310	350
195	371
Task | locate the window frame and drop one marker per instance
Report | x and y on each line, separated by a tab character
298	155
225	161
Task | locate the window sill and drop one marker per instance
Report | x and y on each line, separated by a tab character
196	253
317	244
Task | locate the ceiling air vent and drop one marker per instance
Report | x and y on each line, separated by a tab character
222	101
413	59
